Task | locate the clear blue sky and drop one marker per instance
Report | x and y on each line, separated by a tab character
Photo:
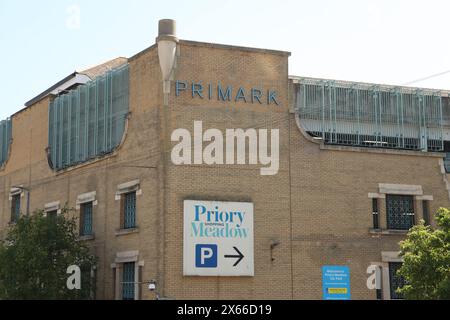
382	41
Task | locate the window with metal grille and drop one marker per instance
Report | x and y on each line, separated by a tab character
89	121
5	139
375	215
86	219
395	280
15	208
129	210
88	282
128	281
426	212
400	212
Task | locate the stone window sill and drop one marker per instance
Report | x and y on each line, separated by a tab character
388	232
86	238
123	232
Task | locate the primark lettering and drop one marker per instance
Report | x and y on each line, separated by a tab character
226	93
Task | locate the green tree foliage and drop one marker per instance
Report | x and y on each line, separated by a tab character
35	256
426	266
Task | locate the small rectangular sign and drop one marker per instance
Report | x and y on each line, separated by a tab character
336	282
218	238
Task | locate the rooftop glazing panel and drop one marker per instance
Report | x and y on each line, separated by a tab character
5	140
369	115
89	121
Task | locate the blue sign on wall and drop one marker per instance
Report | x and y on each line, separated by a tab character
206	256
336	282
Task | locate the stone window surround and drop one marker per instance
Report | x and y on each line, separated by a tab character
86	198
398	189
386	257
378	273
122	189
124	232
16	191
52	206
121	258
127	187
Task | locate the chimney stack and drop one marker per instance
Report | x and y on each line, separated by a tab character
167	28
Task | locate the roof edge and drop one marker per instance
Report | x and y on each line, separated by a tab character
296	79
140	53
217	46
234	47
46	92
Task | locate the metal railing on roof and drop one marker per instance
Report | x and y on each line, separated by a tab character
368	115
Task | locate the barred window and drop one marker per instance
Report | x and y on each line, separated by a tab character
89	121
128	281
375	214
15	207
426	212
400	212
88	282
128	210
86	219
395	280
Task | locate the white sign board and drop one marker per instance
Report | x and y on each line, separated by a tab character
218	238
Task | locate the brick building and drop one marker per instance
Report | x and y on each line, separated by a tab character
358	165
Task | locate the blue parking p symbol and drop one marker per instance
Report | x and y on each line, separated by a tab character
206	256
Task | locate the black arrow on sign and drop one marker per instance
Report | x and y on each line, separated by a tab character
240	256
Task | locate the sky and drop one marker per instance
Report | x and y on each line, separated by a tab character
380	41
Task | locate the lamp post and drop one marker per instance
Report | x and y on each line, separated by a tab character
28	196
